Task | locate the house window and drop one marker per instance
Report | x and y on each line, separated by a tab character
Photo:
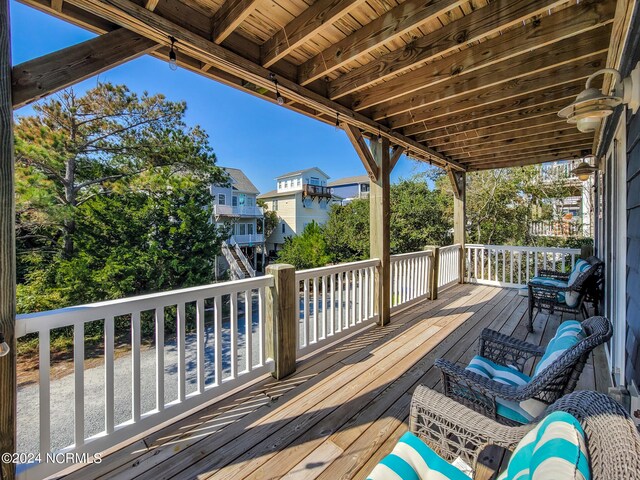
242	229
364	187
299	182
222	199
284	227
250	229
275	205
280	184
249	201
314	181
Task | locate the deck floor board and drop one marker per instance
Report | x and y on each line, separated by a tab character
343	409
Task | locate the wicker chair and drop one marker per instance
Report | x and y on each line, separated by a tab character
453	430
546	296
558	379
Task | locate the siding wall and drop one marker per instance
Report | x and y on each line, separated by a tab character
633	251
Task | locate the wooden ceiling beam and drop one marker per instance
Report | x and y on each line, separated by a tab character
42	76
311	21
151	4
391	25
531	160
526	132
537	34
411	89
521	107
543	86
488	126
567	135
229	17
527	152
136	18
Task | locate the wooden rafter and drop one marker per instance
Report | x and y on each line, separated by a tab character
230	15
362	149
391	25
549	29
425	80
516	147
44	75
151	4
320	15
515	108
396	153
131	16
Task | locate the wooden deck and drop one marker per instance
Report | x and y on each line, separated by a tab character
343	409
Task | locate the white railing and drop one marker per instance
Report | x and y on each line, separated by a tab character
254	238
449	266
510	266
555	228
236	271
237	211
218	345
244	260
410	278
334	302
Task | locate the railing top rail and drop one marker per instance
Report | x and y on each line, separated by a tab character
342	267
524	249
401	256
33	322
450	247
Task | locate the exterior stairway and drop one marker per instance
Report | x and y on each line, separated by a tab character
239	265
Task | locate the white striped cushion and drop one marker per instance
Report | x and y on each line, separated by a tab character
412	459
554	449
521	412
567	335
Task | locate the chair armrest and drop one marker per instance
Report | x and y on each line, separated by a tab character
554	274
453	430
547	288
505	350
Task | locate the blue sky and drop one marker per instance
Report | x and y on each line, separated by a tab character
248	133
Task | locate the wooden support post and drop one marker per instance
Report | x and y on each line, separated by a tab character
379	234
433	274
8	391
281	319
459	182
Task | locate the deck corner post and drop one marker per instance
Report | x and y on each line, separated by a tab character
8	391
281	319
433	273
379	231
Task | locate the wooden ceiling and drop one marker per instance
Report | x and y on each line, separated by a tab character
471	84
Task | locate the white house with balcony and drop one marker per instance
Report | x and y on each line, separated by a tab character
235	211
300	197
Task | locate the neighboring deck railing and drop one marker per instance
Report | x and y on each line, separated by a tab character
510	266
225	343
334	302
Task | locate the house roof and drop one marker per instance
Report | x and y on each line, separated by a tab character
241	182
298	172
349	181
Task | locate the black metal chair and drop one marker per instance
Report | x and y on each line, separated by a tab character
553	297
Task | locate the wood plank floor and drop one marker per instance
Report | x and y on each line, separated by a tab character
343	409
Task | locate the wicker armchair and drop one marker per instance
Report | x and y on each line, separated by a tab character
559	378
453	430
547	296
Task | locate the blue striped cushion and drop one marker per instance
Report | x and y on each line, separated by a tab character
567	335
572	298
554	449
412	459
553	282
521	412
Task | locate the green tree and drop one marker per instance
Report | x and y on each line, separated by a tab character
112	199
307	250
271	219
347	231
